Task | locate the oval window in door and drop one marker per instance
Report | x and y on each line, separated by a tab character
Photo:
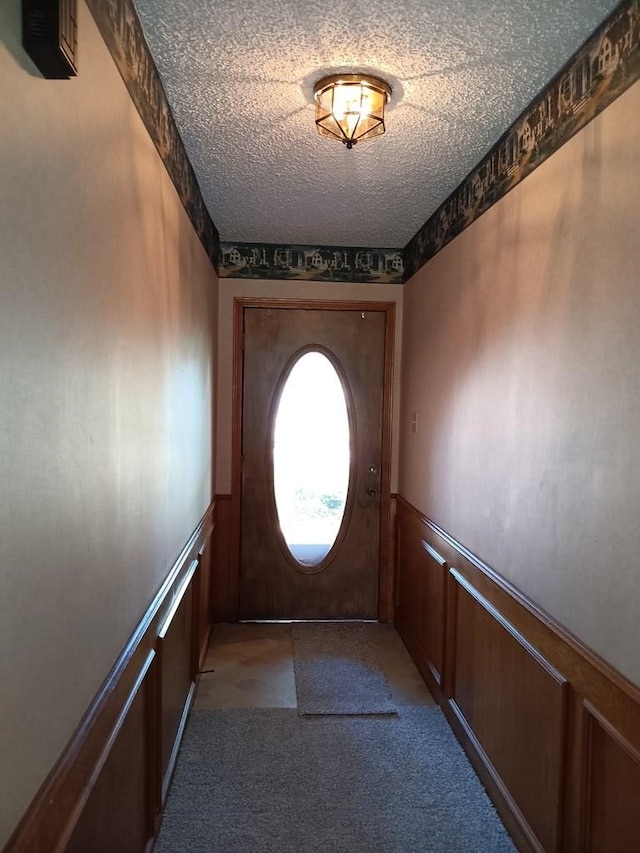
311	458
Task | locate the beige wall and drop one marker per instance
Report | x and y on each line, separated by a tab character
107	330
231	289
522	359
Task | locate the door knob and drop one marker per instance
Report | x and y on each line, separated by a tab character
371	492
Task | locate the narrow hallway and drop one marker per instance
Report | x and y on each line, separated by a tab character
255	773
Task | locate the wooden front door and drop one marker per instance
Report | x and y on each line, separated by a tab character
273	584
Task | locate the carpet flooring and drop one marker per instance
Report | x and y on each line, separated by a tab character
271	781
337	670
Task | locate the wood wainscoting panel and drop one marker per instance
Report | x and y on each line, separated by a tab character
177	674
552	729
435	570
611	812
105	791
202	604
421	589
118	812
515	704
224	587
410	600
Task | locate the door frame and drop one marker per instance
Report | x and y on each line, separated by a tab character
385	565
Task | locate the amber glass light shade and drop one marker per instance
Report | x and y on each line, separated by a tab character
350	107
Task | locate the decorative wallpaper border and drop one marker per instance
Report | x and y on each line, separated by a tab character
311	263
601	70
122	32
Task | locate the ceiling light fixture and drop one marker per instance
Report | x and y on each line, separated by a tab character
350	107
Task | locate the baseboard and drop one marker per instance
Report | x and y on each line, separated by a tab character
105	791
552	729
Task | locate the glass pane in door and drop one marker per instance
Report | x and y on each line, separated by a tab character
311	458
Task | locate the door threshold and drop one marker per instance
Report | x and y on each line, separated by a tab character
291	621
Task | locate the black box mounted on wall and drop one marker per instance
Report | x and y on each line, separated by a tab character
50	36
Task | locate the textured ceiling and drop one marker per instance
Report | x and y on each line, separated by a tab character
239	78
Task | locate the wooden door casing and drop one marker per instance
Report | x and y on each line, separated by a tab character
378	603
